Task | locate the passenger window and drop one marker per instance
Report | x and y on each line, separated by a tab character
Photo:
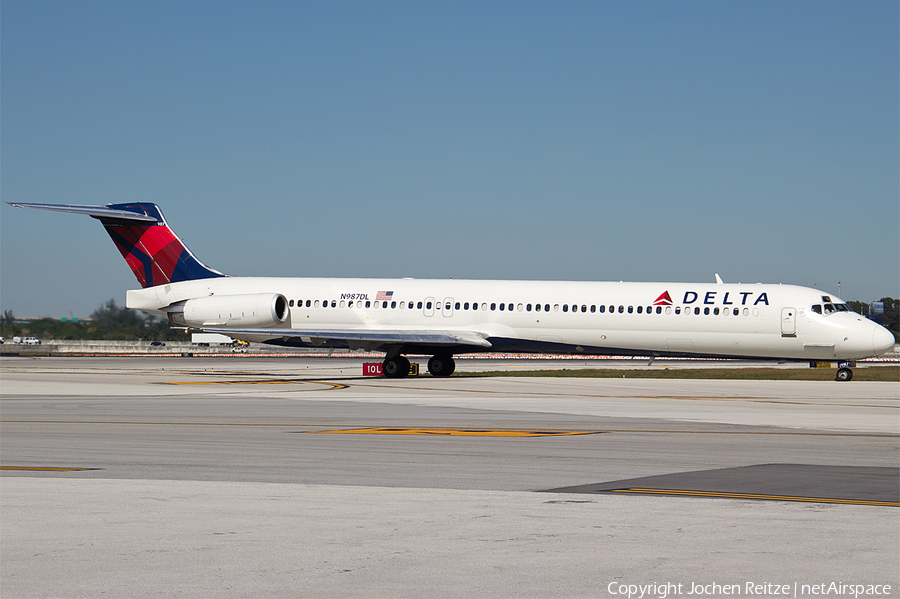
565	307
677	310
493	307
584	308
556	307
521	307
706	311
502	307
528	308
317	303
697	310
602	309
291	303
419	305
342	303
593	309
368	303
746	311
621	309
659	309
630	309
466	306
428	306
393	304
537	307
509	307
546	307
640	309
447	306
457	306
474	305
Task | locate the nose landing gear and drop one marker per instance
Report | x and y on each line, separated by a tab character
844	374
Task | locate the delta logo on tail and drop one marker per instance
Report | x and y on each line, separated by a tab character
663	300
152	250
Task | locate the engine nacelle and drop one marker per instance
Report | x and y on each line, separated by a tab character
245	311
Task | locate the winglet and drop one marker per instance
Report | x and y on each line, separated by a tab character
719	280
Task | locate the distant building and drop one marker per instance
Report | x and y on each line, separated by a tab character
876	312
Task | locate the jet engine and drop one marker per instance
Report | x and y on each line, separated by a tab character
246	311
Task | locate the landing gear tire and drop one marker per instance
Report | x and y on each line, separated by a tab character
395	368
441	366
844	374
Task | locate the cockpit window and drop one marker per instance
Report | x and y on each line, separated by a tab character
817	308
829	308
842	308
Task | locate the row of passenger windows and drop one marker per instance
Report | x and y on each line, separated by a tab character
484	306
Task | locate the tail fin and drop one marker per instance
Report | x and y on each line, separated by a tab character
154	253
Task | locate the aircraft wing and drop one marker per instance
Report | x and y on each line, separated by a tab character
359	337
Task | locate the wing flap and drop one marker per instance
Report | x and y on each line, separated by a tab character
379	336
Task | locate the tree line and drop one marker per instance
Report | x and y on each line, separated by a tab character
109	322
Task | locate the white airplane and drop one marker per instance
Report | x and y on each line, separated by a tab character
441	318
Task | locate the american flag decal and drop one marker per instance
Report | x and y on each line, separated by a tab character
384	295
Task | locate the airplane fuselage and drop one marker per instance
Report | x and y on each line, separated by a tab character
657	319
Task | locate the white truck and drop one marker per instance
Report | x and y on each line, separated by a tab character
207	339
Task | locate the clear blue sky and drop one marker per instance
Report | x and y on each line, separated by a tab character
642	141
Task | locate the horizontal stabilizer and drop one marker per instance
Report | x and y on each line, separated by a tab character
95	211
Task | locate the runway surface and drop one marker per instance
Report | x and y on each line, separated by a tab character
273	477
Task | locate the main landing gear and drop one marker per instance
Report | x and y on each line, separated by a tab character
844	374
397	367
441	365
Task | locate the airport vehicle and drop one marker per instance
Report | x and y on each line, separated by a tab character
30	341
441	318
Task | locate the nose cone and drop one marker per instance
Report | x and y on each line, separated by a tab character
882	340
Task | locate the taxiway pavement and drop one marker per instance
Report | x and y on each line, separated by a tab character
273	477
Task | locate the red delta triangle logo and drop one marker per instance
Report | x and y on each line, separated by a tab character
663	300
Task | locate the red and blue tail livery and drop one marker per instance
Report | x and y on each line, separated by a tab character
154	253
